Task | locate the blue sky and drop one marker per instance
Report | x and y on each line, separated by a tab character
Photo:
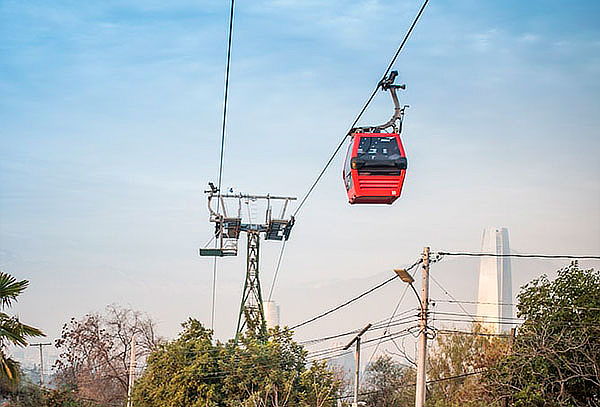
110	117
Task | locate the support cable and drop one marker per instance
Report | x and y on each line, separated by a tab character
277	269
364	108
223	126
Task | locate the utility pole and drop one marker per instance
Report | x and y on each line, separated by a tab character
40	346
357	362
131	372
422	355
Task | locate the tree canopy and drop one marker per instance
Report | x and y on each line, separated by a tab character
95	353
12	331
195	371
555	360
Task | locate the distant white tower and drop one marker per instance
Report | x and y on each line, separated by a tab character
271	310
495	284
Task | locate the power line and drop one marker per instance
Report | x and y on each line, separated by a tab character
375	327
532	256
406	320
351	300
364	108
452	331
458	314
330	353
433	381
390	321
451	296
454	301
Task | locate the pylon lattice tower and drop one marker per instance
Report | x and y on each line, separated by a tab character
227	232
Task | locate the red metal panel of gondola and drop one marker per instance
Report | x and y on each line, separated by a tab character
375	168
376	163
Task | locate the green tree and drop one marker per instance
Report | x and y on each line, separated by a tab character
12	331
31	395
389	383
194	371
555	360
455	354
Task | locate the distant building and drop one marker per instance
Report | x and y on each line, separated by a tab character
495	283
271	310
343	362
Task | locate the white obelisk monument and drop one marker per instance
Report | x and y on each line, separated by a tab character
495	283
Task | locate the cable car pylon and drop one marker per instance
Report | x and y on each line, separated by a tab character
228	227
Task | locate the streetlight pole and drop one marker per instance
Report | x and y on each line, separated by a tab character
357	362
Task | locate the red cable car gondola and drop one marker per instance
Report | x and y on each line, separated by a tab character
376	162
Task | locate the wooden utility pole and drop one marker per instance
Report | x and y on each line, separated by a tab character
40	346
422	353
357	362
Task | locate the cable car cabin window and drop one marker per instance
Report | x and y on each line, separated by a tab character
348	160
379	156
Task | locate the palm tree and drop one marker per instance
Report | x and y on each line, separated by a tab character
12	331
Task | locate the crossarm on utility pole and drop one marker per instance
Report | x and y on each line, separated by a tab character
40	346
357	361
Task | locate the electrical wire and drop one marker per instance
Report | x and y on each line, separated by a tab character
531	256
452	331
454	301
364	108
374	327
450	295
220	179
249	360
324	314
433	381
390	321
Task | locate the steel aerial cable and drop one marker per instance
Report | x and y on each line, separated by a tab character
279	259
220	179
365	106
